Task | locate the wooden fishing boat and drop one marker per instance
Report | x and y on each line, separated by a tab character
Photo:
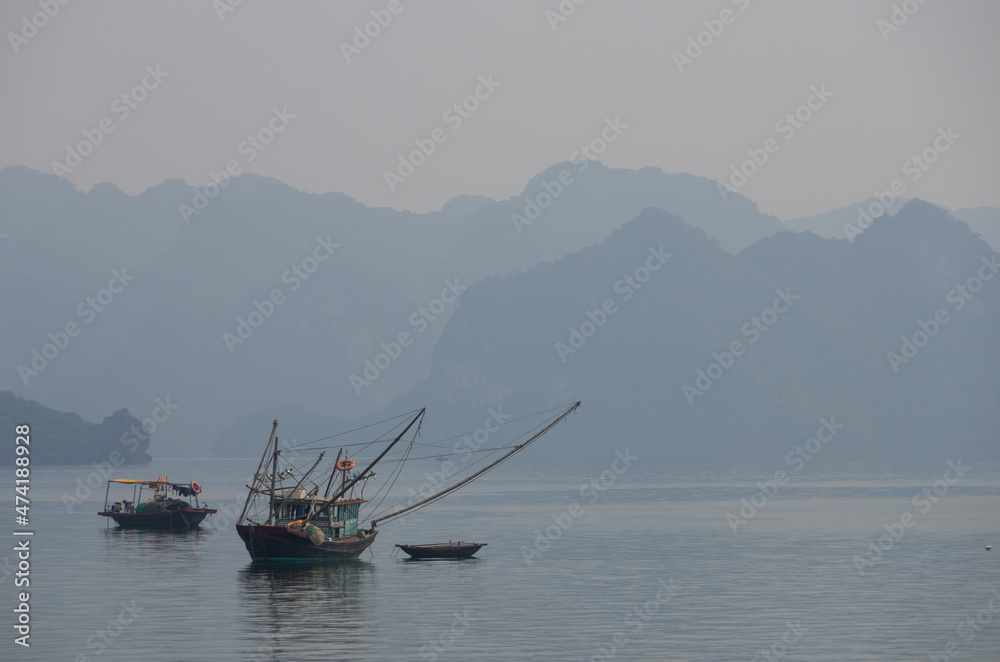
333	536
301	524
443	550
160	510
289	518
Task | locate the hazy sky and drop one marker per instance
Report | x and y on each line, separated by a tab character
553	85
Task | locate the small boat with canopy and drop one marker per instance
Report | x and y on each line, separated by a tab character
161	509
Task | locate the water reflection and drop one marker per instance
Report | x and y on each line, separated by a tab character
315	610
154	544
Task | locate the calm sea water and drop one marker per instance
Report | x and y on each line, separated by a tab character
651	570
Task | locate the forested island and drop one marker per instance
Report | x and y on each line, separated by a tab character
66	438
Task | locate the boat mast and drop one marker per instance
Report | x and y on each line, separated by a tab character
345	488
478	473
260	467
291	495
329	483
274	477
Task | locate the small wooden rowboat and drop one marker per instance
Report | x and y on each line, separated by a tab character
443	550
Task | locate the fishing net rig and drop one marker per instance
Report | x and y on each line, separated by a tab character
399	445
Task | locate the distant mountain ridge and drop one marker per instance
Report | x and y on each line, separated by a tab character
848	222
190	284
196	277
816	321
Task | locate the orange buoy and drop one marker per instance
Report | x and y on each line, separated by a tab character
345	465
195	487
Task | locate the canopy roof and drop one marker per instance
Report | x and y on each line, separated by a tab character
151	483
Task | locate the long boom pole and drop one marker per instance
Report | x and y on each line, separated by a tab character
479	473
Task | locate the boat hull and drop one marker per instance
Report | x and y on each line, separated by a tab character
181	518
277	543
443	550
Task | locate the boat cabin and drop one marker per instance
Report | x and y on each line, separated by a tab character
340	520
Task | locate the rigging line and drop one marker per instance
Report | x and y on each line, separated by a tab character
399	468
386	483
439	441
303	447
499	425
398	472
554	421
290	463
465	470
394	456
492	451
478	450
433	457
364	444
421	507
363	427
343	489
